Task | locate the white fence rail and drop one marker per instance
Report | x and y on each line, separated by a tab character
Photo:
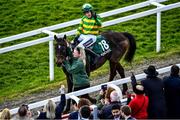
50	38
92	89
77	21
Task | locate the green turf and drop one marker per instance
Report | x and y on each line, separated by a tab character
26	70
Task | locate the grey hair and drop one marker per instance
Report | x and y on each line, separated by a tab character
114	96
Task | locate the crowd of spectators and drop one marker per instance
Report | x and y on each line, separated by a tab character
152	98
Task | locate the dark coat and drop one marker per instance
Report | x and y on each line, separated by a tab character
59	109
154	90
73	115
172	95
106	110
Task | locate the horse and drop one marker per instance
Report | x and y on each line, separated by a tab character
121	43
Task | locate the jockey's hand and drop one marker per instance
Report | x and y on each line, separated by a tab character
94	15
76	38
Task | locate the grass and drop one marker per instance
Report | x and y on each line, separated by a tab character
26	71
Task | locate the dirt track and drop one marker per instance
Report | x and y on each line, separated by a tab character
100	79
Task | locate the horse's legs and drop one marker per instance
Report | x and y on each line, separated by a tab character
112	70
70	87
115	58
87	66
120	70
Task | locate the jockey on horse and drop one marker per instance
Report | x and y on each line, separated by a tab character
87	30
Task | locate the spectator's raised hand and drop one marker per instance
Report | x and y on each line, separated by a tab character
62	89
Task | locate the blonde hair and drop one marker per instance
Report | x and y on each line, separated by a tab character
5	114
82	54
50	108
108	92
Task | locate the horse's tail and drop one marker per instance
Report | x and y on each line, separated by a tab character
132	47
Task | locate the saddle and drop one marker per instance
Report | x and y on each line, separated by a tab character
99	49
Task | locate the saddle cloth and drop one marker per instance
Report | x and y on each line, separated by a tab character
101	46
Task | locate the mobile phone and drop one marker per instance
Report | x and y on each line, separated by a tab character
133	79
104	87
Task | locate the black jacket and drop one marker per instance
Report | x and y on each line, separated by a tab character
106	110
172	95
154	90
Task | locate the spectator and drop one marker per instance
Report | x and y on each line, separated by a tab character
139	104
172	93
5	114
101	97
154	89
24	113
107	95
116	113
85	112
126	112
51	111
106	110
75	114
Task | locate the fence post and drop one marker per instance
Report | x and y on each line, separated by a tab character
158	32
51	60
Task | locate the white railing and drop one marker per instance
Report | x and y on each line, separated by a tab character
75	22
92	89
50	38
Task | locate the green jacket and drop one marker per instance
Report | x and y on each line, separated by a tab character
89	25
77	69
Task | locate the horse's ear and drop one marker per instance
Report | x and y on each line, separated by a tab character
55	37
64	37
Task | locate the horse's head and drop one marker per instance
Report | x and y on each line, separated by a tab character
60	49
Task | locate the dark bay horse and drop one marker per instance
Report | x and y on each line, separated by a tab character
121	43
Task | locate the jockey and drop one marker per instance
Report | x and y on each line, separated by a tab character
89	26
88	29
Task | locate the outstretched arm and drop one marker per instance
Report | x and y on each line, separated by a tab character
60	107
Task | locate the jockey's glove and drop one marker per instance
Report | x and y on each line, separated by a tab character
94	15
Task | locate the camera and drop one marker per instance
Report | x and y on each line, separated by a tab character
104	87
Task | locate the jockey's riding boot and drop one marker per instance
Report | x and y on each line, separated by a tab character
93	54
73	45
75	42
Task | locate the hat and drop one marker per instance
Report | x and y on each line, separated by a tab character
151	71
138	89
87	7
